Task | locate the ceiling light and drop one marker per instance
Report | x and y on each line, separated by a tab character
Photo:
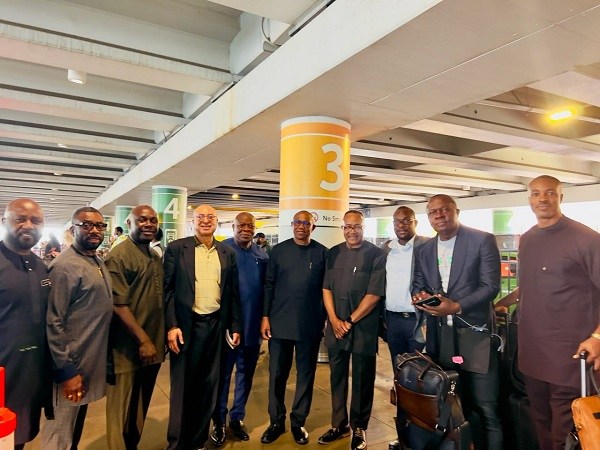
61	145
560	115
235	196
58	174
75	76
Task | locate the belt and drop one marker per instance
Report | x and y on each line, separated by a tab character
204	317
406	315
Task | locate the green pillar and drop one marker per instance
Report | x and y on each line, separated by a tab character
170	203
384	227
121	214
501	221
109	229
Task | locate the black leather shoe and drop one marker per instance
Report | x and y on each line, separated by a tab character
333	434
272	433
218	435
239	429
359	439
300	435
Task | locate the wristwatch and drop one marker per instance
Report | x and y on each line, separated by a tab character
349	320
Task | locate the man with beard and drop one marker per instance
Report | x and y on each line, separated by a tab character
24	288
252	263
201	303
79	312
136	342
293	321
461	265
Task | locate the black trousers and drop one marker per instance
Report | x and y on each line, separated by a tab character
280	362
363	388
194	383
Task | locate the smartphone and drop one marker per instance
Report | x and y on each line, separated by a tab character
429	301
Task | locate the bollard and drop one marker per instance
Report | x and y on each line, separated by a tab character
8	420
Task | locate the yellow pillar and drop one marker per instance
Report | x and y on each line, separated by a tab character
315	175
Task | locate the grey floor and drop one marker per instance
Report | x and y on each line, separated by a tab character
381	427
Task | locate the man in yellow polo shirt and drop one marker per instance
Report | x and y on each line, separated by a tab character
201	304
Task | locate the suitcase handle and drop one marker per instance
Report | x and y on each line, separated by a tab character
583	373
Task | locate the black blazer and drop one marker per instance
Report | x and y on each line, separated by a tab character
474	277
180	280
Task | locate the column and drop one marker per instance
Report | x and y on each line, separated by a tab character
121	214
109	230
170	203
315	175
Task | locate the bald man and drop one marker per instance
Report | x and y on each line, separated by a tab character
24	289
136	342
201	304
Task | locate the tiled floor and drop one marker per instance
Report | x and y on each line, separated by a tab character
381	427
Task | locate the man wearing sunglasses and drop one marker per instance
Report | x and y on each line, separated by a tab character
293	319
354	283
79	312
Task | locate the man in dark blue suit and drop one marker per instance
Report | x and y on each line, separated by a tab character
461	265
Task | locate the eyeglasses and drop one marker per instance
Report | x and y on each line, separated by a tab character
209	217
355	227
87	226
403	221
297	223
442	210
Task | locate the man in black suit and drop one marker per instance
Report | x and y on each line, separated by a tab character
293	321
461	265
201	303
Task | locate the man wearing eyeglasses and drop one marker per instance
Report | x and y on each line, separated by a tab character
252	264
354	283
201	304
403	322
80	308
293	320
136	342
461	265
24	290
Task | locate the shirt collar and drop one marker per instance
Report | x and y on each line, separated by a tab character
406	247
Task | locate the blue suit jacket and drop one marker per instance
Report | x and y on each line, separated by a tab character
474	277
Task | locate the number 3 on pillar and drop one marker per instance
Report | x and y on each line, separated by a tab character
334	167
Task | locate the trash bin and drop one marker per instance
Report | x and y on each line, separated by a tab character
8	420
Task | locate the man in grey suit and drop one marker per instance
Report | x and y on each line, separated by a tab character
461	265
201	304
403	321
79	312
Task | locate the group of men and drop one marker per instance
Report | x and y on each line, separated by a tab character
215	302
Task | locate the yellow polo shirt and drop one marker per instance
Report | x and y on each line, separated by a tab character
207	298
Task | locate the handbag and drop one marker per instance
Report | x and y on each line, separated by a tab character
464	348
586	415
427	396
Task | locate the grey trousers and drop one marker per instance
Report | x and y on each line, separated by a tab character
58	433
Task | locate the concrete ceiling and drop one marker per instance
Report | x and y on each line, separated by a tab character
443	97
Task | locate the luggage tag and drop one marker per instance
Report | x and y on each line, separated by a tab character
457	359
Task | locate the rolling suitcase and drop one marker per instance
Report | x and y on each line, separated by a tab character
586	414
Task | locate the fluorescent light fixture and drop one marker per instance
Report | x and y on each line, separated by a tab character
75	76
561	115
235	196
61	145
